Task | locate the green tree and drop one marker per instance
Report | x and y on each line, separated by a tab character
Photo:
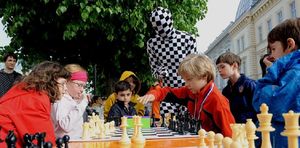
74	30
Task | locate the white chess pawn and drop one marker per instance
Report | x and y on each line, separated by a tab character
291	128
227	142
202	135
85	132
218	140
235	144
211	139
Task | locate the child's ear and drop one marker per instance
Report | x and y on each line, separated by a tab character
236	65
291	45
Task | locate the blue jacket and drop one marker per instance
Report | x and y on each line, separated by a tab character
240	98
280	90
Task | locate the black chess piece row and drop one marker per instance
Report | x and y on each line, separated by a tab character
11	141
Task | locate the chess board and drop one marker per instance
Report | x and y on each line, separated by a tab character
148	133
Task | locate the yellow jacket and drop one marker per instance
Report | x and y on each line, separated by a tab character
139	107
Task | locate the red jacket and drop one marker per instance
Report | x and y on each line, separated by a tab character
25	112
215	114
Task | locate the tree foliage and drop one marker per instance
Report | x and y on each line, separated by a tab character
73	31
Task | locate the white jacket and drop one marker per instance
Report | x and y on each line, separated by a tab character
67	117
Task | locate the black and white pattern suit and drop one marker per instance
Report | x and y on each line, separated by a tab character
166	50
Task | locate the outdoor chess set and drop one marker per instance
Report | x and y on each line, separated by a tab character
243	135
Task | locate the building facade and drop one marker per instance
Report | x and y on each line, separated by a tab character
247	35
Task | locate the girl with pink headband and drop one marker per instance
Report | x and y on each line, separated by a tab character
67	114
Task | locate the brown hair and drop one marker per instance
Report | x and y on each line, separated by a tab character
229	58
290	28
198	65
43	78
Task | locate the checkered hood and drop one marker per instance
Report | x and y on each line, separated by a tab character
162	22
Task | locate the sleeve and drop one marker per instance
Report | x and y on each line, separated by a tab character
250	86
139	107
161	93
108	103
67	118
279	92
223	118
192	46
153	60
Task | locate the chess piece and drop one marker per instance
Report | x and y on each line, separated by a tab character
202	136
59	143
265	127
163	124
227	142
139	139
11	139
66	139
85	132
125	139
28	141
239	134
235	144
48	145
211	139
250	132
218	140
153	121
41	139
291	128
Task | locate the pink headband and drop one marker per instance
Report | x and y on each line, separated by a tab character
81	76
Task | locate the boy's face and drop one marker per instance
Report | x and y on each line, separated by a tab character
124	96
194	84
225	70
10	63
277	50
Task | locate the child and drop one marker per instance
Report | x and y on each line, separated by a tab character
206	102
68	113
123	105
239	89
135	86
26	107
279	88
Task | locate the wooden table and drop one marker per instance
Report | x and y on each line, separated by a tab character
150	143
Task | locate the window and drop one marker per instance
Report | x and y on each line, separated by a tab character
243	66
238	45
293	9
279	17
242	43
260	34
269	24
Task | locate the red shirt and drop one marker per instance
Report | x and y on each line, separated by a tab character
215	114
25	112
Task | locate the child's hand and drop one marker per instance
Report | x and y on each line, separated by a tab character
268	60
146	98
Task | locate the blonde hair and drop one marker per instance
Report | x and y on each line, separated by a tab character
74	68
197	65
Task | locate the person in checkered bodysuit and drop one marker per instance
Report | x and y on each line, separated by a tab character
166	50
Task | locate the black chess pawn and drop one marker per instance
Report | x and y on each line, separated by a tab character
48	145
153	121
11	139
66	139
40	139
59	142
